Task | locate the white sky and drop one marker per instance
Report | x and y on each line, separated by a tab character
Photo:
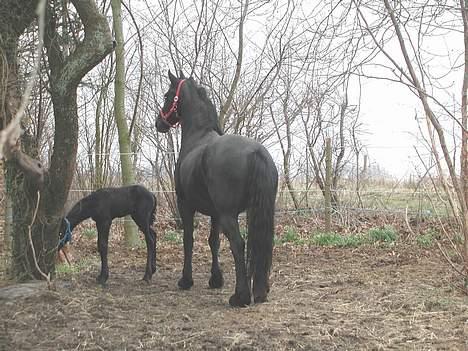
387	111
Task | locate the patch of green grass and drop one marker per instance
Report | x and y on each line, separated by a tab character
90	233
337	240
173	236
64	269
289	236
386	234
426	239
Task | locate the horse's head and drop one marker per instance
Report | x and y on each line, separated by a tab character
186	98
65	233
169	114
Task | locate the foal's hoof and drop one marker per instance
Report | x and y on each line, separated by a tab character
185	283
216	281
241	300
101	279
147	279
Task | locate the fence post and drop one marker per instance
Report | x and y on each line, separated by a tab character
328	178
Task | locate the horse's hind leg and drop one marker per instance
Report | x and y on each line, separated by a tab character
216	279
230	227
153	259
143	222
186	214
103	227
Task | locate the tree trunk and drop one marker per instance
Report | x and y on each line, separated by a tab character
15	17
65	74
128	174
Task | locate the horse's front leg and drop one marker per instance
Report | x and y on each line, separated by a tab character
186	215
103	227
216	279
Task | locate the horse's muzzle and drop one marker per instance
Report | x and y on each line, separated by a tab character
162	126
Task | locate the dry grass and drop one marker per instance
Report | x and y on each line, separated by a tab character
371	297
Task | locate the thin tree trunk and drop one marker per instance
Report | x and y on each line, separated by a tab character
286	151
227	104
128	174
97	148
464	146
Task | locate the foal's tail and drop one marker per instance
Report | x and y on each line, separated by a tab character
262	187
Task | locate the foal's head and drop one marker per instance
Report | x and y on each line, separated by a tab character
183	100
65	233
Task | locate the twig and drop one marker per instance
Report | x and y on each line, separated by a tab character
407	222
189	338
66	257
46	276
455	268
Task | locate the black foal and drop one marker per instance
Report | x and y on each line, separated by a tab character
103	206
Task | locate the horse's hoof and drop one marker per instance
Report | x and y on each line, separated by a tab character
216	281
260	299
184	283
242	300
147	279
260	292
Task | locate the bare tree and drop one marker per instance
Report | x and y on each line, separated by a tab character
412	26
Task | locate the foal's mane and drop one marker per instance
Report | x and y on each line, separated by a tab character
201	92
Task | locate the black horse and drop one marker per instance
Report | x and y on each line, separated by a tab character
221	176
103	206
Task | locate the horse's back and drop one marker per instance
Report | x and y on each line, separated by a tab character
234	152
228	165
122	201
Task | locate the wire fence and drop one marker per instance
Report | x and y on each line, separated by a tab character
308	202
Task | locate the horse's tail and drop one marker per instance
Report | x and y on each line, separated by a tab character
262	188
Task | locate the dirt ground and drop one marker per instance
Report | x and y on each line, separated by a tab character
367	298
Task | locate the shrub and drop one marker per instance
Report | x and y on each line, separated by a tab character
337	240
289	236
386	234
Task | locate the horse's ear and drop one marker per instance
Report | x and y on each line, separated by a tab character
172	78
181	74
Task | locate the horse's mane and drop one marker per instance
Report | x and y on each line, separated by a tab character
211	108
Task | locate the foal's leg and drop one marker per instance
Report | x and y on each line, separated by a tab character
216	279
186	214
143	222
103	227
230	227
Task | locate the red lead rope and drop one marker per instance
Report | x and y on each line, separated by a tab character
173	108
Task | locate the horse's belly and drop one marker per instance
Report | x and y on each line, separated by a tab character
201	203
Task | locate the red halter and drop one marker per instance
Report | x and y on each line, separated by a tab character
165	116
